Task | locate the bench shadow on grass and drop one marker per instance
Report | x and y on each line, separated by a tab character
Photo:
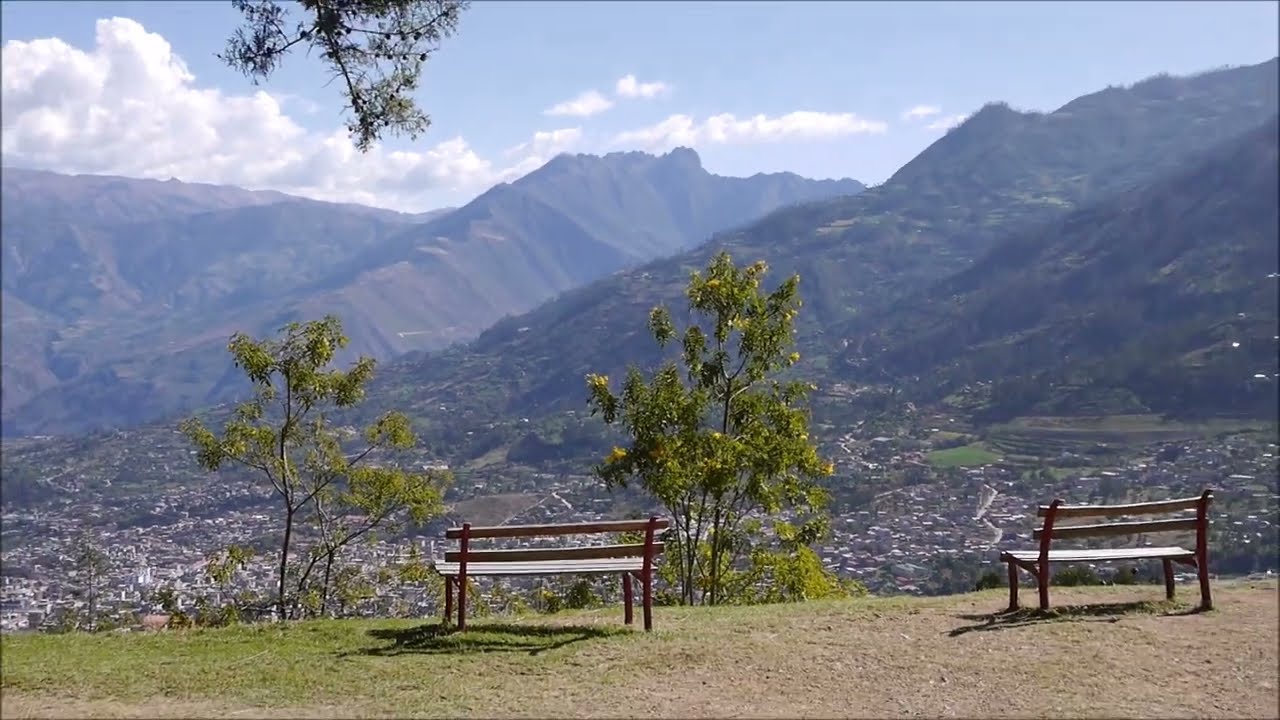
440	639
1094	612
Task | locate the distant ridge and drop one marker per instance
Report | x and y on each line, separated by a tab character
122	292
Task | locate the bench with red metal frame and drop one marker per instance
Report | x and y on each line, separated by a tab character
1036	562
628	560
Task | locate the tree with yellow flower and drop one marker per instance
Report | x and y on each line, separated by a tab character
721	442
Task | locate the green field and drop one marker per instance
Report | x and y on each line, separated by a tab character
1102	653
1034	437
963	456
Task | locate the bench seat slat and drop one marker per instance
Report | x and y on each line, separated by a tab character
545	567
1143	553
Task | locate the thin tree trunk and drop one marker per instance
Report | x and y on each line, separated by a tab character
284	561
324	593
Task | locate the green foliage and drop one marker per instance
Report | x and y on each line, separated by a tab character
1073	575
547	600
505	601
223	565
1125	575
990	580
581	594
376	47
167	598
221	570
793	575
284	436
965	456
722	439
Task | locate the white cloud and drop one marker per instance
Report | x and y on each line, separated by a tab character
585	105
546	142
629	87
947	122
535	153
130	106
921	112
725	128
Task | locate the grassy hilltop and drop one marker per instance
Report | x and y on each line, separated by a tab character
1104	652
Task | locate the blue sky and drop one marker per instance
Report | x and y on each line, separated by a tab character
491	85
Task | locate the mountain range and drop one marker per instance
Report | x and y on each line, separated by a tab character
1118	254
120	295
1042	180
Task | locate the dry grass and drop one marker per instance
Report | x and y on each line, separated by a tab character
1119	655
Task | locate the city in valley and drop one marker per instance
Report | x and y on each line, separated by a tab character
907	518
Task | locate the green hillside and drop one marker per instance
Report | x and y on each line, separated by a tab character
1163	299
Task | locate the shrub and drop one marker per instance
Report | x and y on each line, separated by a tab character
989	581
1076	575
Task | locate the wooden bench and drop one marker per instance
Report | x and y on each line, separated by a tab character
629	560
1036	562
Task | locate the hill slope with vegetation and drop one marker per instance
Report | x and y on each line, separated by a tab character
1161	299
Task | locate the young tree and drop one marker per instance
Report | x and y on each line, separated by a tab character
283	435
91	566
375	47
221	569
721	441
370	499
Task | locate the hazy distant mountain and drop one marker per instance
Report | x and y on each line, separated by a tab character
119	294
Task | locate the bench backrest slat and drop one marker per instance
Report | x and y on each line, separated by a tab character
1067	532
595	552
512	531
1146	508
1050	530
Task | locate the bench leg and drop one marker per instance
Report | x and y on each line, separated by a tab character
1168	579
462	602
647	580
1202	568
626	597
448	598
1043	577
1013	586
